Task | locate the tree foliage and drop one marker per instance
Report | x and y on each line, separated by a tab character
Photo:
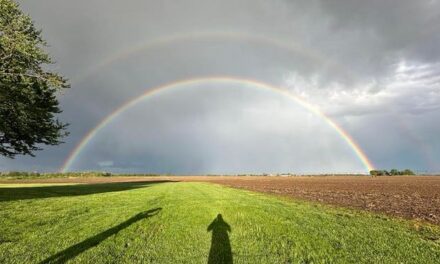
28	102
392	172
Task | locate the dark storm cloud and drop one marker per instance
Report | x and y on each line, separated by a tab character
368	64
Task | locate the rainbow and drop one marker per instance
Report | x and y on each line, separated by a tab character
288	45
67	165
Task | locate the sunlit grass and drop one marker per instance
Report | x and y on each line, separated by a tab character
168	222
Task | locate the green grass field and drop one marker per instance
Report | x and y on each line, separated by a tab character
170	222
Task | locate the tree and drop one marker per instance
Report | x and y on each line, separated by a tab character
28	102
394	172
408	172
379	172
374	172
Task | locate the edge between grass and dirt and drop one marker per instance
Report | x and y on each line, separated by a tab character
409	197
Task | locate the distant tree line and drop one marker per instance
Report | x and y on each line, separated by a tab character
30	175
392	172
83	174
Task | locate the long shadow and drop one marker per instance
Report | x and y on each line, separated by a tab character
22	193
73	251
220	252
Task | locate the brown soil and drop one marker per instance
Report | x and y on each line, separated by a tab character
411	197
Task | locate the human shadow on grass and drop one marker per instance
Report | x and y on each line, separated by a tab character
220	252
75	250
23	193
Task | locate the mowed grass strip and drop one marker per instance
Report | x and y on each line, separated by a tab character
171	222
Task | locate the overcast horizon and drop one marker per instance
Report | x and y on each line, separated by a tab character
372	68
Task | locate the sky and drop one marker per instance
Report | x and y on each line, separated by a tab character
372	68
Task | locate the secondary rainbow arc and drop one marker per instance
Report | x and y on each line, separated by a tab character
288	45
67	165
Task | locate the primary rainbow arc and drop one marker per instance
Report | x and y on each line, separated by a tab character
215	79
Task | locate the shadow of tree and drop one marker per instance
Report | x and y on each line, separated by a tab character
22	193
73	251
220	252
